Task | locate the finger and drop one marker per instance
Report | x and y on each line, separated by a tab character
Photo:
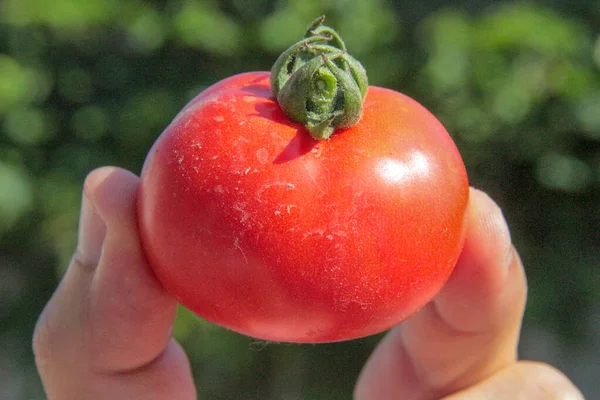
523	380
166	377
129	312
109	313
60	332
468	332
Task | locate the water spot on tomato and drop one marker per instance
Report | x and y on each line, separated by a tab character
262	155
219	189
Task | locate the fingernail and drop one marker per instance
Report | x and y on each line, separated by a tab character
499	228
92	231
496	229
504	240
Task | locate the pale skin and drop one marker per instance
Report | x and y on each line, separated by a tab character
106	333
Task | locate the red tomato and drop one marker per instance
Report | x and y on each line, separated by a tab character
259	228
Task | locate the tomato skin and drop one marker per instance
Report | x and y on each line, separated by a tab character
259	228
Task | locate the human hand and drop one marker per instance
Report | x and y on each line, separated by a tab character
106	332
463	344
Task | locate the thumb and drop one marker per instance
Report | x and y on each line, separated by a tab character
471	328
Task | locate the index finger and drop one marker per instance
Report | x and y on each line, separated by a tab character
469	331
106	332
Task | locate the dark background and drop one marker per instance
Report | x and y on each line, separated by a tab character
94	82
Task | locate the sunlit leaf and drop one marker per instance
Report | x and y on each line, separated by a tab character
366	25
16	194
147	32
563	172
283	28
58	14
19	84
537	29
28	126
199	25
588	113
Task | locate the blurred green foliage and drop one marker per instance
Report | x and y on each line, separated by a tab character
91	83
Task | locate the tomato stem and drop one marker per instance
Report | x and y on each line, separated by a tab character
318	84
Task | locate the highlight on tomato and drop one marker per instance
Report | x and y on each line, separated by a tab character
302	204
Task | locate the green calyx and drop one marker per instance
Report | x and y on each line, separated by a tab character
318	84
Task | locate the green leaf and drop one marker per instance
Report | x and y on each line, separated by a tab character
16	195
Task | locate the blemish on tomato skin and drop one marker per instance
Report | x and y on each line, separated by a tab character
236	245
262	155
245	215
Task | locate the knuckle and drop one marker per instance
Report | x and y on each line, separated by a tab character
547	382
80	262
63	318
43	338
